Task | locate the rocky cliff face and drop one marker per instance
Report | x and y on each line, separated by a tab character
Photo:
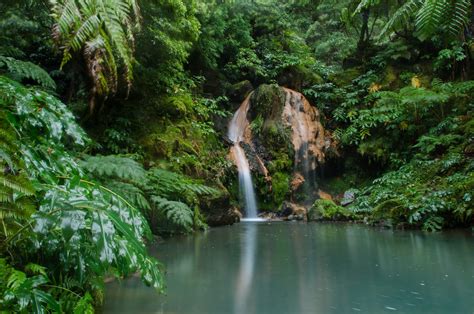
285	143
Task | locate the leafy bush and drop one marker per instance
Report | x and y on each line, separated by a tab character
434	189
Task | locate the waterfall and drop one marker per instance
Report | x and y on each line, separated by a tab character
237	128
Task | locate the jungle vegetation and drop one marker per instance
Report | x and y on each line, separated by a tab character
113	111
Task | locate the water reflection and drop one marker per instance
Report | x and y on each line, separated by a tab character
246	269
307	268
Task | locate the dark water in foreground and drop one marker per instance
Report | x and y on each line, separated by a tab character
307	268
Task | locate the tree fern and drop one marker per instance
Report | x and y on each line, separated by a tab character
102	30
402	16
174	195
130	192
157	191
27	70
365	4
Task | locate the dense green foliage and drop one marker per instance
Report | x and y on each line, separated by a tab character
113	113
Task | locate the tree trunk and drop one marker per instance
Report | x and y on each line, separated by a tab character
364	30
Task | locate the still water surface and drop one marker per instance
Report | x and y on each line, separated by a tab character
277	267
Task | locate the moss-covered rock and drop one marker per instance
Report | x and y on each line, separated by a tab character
267	101
328	210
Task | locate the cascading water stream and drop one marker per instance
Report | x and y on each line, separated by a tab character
237	127
307	137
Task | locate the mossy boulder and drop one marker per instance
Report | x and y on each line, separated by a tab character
268	102
328	210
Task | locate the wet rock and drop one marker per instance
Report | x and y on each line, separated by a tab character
283	133
227	141
219	212
285	209
314	215
297	182
292	211
255	162
348	198
299	77
268	216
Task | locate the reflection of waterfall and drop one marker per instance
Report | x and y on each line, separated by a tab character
237	128
246	269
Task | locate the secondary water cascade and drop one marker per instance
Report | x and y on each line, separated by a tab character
308	136
237	128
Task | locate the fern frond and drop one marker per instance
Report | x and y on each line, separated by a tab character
17	184
27	70
402	16
459	17
131	193
177	212
114	166
431	16
168	183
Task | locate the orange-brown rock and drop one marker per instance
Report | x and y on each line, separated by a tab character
325	196
297	181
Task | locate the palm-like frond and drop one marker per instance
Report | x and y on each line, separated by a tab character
364	4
